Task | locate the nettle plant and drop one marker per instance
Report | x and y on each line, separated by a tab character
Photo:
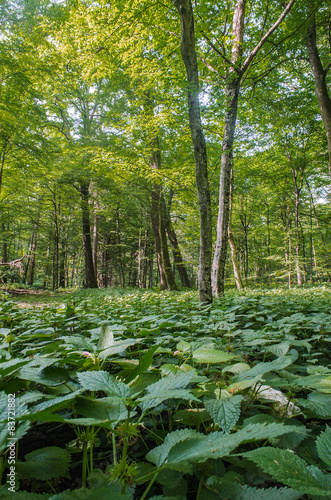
140	395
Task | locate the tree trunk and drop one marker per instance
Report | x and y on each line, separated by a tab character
321	90
95	243
236	270
32	256
188	52
178	259
91	281
231	94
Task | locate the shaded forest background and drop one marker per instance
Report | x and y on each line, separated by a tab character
97	183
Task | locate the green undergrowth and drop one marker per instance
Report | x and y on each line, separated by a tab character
145	395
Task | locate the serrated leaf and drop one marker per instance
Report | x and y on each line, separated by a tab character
45	464
106	338
208	355
279	349
318	403
110	409
224	490
117	347
287	468
262	368
224	412
181	454
170	387
159	454
323	444
103	381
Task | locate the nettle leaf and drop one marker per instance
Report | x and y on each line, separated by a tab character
224	412
106	338
323	444
44	464
103	381
101	493
107	409
36	412
180	452
279	349
9	367
205	355
159	454
318	403
117	347
223	490
170	387
262	368
286	467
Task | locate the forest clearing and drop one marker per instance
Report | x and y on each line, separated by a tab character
165	249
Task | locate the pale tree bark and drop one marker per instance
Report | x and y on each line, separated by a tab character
321	89
189	56
233	81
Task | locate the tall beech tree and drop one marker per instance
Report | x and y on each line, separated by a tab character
320	72
189	56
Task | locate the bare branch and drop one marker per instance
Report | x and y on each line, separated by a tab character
257	48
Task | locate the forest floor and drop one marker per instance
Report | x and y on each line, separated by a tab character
139	394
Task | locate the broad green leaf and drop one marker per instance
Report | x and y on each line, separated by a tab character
45	464
224	490
112	409
170	387
224	412
323	444
159	454
144	364
9	367
106	338
117	347
205	355
181	454
262	368
286	467
318	403
103	381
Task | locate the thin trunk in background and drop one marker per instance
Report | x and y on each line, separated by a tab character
178	259
90	277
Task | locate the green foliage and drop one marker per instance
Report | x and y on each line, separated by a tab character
45	463
162	415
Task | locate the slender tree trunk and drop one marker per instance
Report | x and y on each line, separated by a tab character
33	256
321	89
231	95
178	259
91	281
119	246
235	263
95	243
188	52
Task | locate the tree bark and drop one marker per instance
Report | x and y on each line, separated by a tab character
236	270
232	95
91	281
321	89
189	57
178	259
